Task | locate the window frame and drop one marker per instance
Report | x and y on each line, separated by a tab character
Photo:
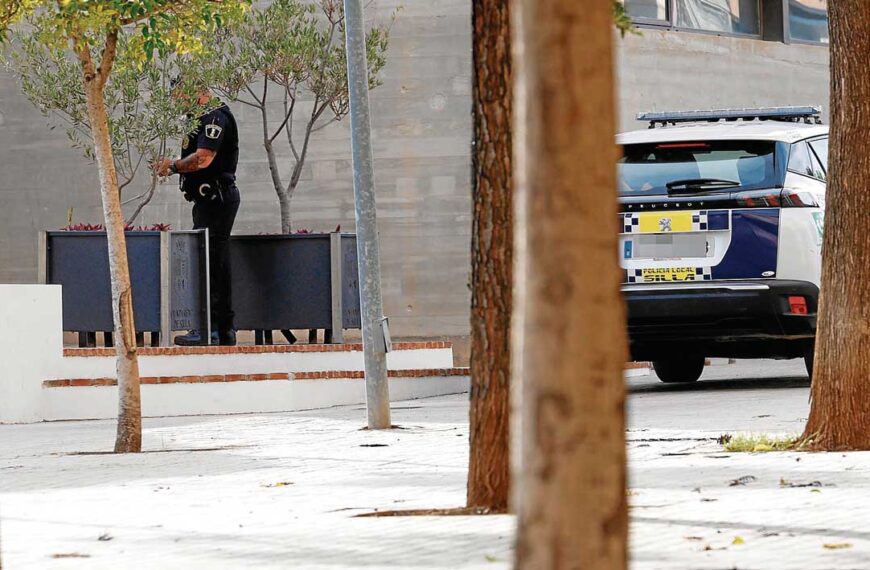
822	163
811	154
668	24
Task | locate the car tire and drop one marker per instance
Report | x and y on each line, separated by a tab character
679	370
809	361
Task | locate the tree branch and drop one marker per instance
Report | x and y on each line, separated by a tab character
288	126
107	59
287	114
254	95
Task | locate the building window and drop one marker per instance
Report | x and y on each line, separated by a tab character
651	10
720	16
808	20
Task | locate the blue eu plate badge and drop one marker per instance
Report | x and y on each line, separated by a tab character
626	249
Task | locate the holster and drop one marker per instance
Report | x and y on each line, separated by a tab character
206	190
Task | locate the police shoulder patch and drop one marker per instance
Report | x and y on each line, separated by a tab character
213	131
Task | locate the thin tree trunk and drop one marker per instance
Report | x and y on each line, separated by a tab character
570	345
274	171
129	435
491	257
286	212
840	412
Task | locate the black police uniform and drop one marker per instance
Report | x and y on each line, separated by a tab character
216	200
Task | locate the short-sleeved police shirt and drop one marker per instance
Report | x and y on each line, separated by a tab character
217	131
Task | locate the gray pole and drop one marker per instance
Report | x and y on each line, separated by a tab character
377	388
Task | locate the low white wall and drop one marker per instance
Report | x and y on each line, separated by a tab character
236	397
31	348
265	363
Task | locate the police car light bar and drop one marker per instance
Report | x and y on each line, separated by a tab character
809	114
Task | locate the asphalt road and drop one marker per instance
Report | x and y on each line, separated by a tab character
748	396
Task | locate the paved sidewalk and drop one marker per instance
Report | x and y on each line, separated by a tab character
280	491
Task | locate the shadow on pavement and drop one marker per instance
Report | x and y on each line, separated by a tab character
653	386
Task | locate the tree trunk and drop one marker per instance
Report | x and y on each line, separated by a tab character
840	412
283	198
491	257
286	212
570	345
129	435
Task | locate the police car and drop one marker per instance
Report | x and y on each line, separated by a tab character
721	222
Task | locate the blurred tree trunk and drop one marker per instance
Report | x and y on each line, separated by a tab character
491	256
840	412
570	347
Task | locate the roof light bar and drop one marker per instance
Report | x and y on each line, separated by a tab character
808	114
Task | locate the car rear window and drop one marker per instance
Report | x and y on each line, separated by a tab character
646	169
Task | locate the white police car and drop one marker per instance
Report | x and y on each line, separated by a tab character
721	230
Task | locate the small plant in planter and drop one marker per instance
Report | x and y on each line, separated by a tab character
127	228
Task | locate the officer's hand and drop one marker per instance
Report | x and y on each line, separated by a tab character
161	167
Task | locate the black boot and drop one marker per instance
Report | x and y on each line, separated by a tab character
194	338
227	337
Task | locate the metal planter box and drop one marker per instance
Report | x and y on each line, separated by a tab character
168	271
302	281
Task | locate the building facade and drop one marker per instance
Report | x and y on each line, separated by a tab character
689	54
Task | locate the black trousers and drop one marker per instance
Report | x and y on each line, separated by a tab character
218	216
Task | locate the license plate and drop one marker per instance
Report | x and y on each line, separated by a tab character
667	274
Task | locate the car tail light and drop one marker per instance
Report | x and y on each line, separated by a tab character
758	199
798	199
775	198
798	305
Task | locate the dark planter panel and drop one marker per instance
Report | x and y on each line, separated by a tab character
284	282
79	261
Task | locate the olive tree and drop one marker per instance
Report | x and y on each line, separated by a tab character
91	32
289	58
144	112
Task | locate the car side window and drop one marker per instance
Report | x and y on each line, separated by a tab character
820	149
818	170
799	159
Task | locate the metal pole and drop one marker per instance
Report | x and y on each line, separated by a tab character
371	304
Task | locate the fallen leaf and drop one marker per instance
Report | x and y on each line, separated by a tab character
105	537
373	445
815	490
709	500
693	538
70	555
490	558
738	540
838	546
745	480
278	484
784	483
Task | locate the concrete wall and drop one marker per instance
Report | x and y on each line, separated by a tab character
421	122
661	70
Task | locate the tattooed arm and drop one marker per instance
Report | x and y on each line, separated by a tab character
199	160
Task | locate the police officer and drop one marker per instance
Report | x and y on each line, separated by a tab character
207	170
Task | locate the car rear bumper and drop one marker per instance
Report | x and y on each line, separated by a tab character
740	319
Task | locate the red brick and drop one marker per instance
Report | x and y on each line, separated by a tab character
189	379
213	378
235	377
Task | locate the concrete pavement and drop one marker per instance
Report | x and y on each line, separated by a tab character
281	490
